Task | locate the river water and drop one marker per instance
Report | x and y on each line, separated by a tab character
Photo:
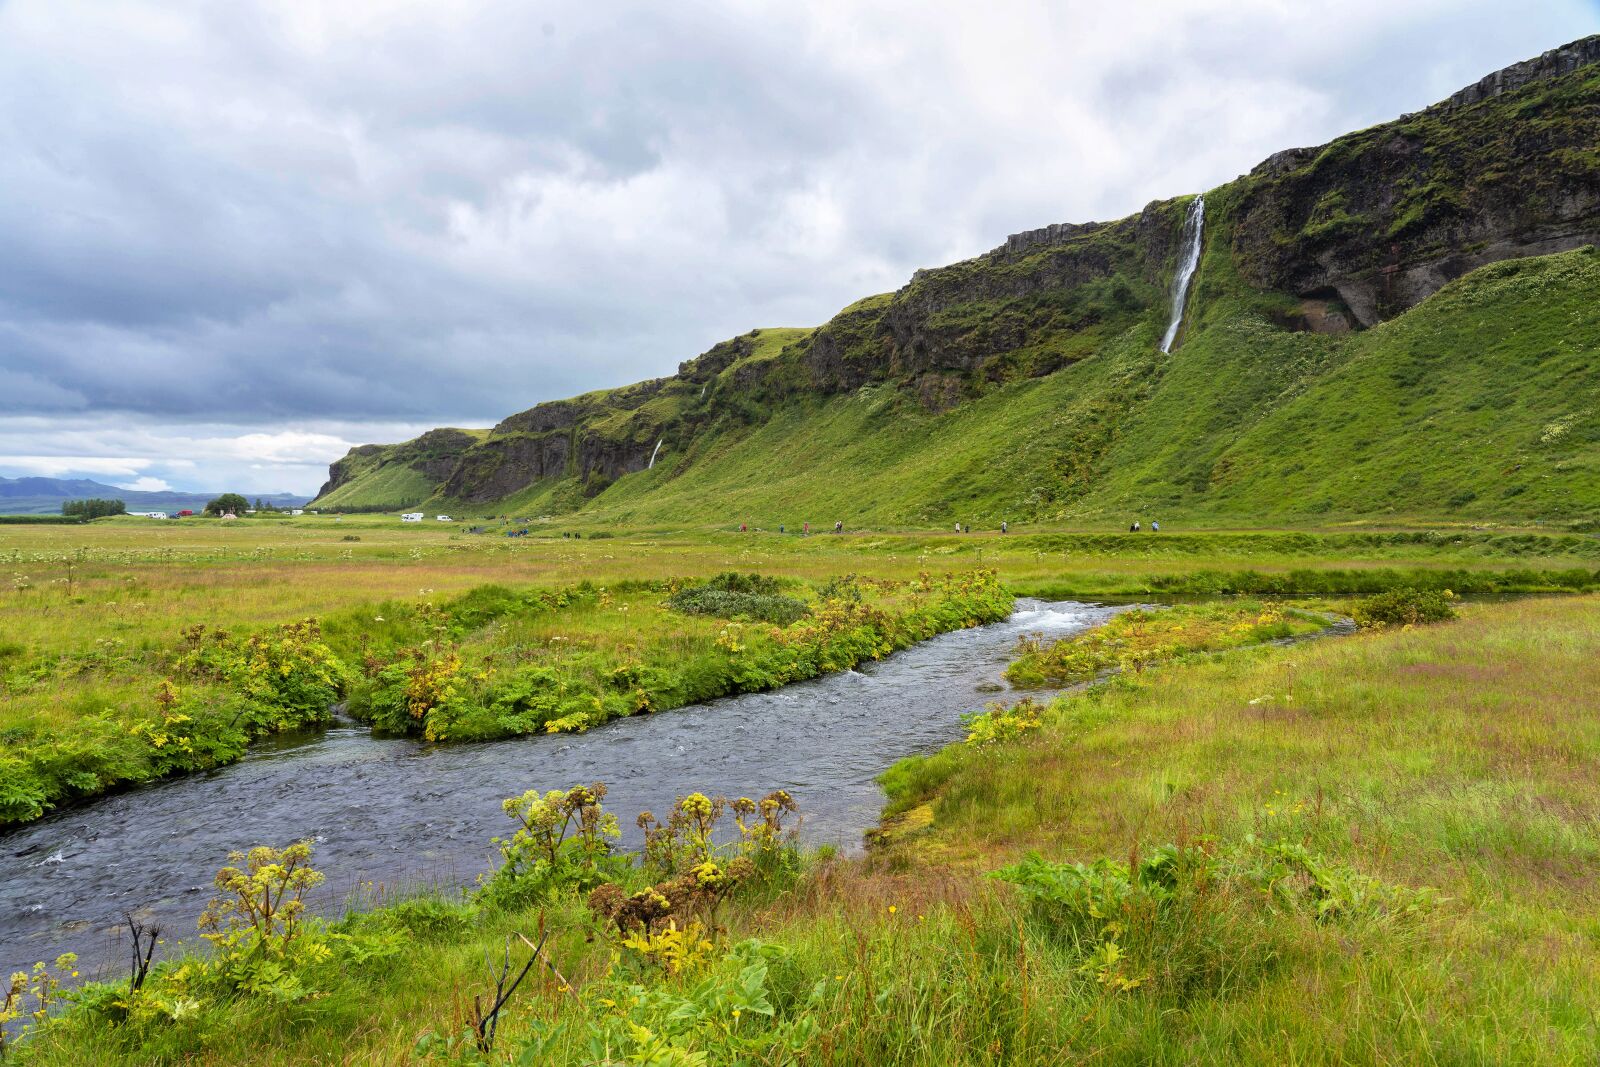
397	812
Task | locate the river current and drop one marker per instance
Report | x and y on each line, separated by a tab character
392	813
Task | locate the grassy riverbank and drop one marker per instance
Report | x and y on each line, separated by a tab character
1381	851
493	662
111	670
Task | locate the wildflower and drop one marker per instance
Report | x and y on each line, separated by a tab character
893	909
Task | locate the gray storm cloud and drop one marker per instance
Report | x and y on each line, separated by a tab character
254	213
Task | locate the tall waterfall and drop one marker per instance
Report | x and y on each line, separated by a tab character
654	454
1188	261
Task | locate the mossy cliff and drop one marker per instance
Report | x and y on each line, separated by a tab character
1027	383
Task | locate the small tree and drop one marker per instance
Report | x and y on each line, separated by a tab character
228	502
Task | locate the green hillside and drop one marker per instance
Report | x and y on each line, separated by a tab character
1401	324
1482	401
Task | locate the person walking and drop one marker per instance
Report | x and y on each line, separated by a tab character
1004	526
1155	527
838	527
805	531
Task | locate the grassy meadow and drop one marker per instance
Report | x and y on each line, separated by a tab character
1365	849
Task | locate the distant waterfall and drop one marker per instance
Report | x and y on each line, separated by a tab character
654	454
1188	261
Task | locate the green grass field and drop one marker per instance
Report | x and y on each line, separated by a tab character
1382	855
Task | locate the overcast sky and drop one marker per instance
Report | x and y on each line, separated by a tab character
238	236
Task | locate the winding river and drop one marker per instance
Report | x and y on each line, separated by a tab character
396	812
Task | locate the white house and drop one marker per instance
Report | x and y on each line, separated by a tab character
411	516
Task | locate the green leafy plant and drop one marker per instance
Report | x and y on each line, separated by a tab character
728	1014
258	924
562	844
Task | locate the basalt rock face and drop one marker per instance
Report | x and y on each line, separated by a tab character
1382	219
1036	290
437	452
504	464
1338	237
1553	64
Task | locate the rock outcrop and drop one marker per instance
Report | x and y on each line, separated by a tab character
1380	220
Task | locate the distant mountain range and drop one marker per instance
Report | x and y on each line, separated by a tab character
44	496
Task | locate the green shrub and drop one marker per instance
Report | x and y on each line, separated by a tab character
1404	607
740	596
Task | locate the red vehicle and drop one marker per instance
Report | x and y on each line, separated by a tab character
184	514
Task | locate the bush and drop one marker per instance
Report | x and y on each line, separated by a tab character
740	596
1404	607
258	923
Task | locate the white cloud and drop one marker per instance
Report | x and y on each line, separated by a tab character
146	454
147	485
73	465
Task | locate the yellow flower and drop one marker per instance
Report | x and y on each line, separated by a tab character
893	909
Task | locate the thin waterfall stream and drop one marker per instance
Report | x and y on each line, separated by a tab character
1188	263
653	455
